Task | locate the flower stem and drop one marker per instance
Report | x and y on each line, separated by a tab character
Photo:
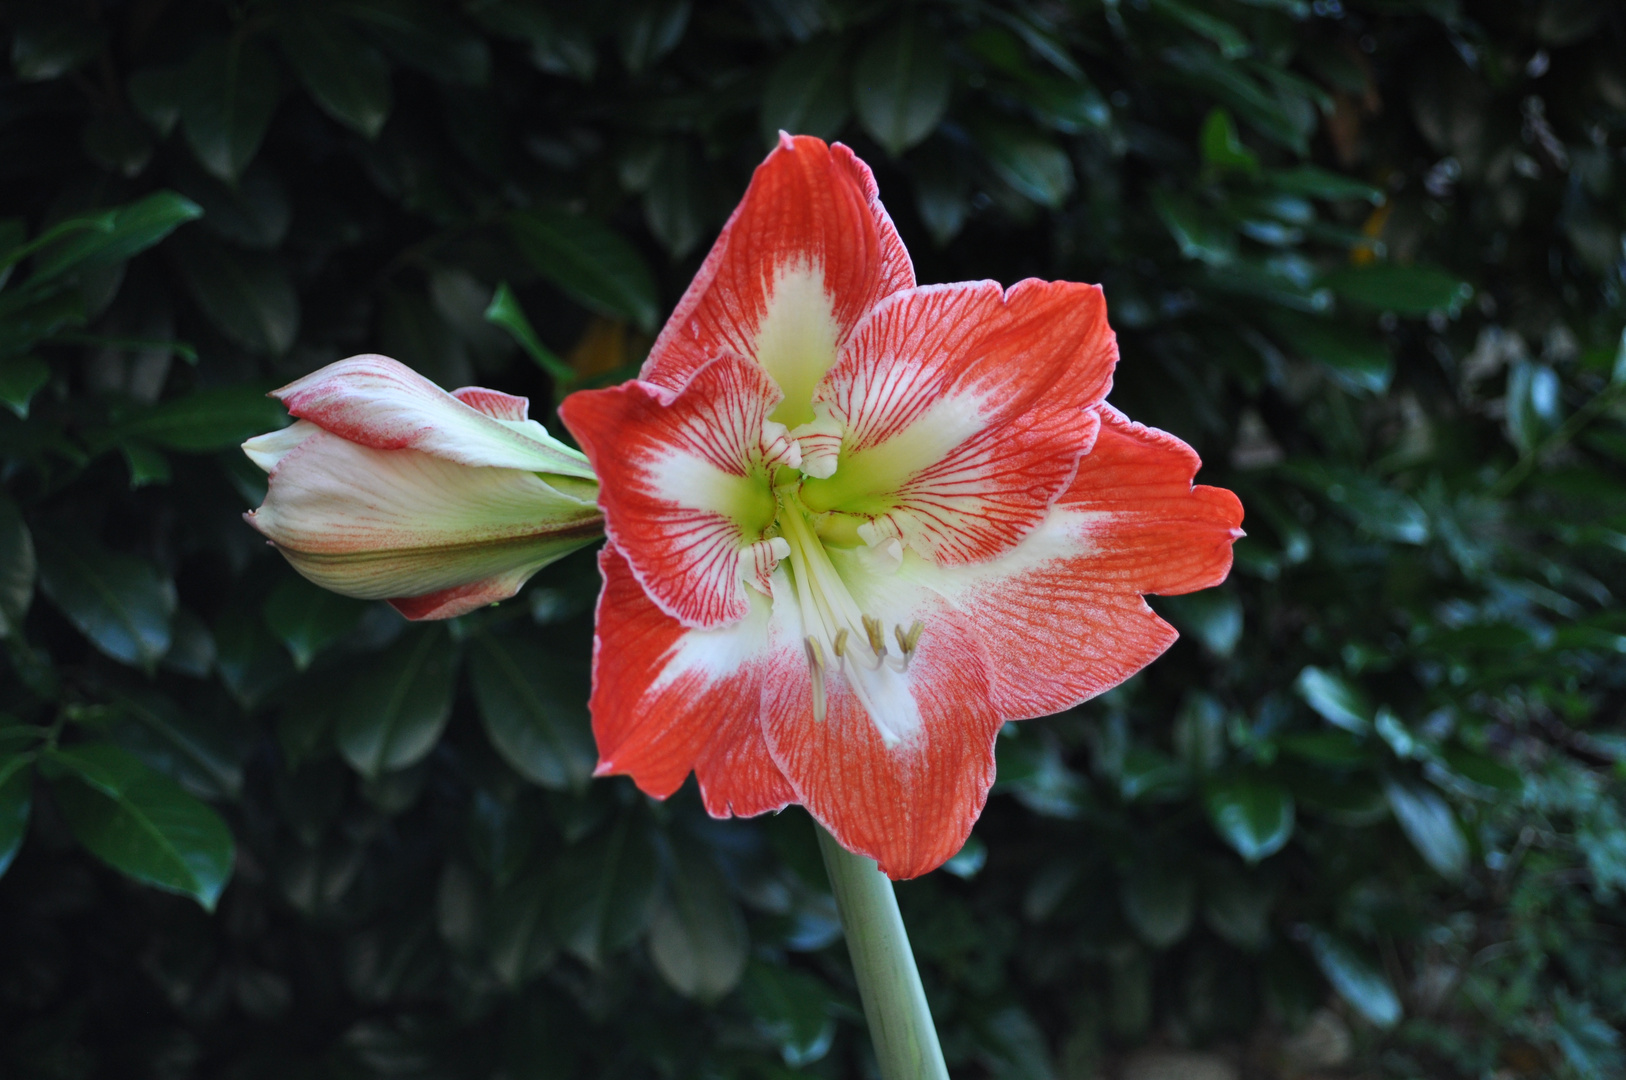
900	1023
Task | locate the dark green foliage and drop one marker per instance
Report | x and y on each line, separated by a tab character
1365	256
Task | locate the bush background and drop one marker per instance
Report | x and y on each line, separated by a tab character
1366	818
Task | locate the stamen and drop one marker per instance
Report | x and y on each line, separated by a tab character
815	667
910	638
877	636
841	642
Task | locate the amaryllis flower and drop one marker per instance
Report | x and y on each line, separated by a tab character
856	525
389	488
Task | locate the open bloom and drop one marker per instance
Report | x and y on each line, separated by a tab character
858	524
388	488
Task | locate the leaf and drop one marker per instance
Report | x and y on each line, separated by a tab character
393	712
205	420
1254	815
345	76
589	261
140	822
1213	617
1360	361
1222	147
1237	907
158	94
506	312
792	1008
118	601
307	618
650	29
26	317
247	295
198	752
1031	164
1201	234
50	47
901	84
535	718
1404	290
675	204
603	889
1426	819
517	938
16	800
17	568
1322	184
231	94
1337	702
1379	508
1482	769
20	379
129	231
425	36
1159	901
1356	979
807	91
697	938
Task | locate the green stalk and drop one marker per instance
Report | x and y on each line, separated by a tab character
900	1023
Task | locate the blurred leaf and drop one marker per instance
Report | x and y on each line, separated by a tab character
519	944
140	822
1426	819
1201	234
791	1008
231	92
506	312
1404	290
1222	147
1159	900
1213	617
1016	1048
247	295
425	36
589	261
675	202
1357	980
1338	702
48	44
1483	769
129	231
603	889
1233	45
901	84
195	751
1351	354
20	379
118	601
118	142
346	76
394	710
158	94
1254	815
650	29
1031	164
205	420
16	800
697	937
307	618
1236	906
1321	184
807	91
17	568
1379	508
536	719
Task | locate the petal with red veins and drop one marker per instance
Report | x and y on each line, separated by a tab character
964	410
687	483
668	699
807	253
383	404
899	766
1061	616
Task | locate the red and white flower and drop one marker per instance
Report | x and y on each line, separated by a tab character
857	524
389	488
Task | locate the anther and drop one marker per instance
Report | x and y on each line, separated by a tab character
877	636
908	639
841	642
815	667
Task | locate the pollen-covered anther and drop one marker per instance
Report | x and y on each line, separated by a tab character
876	634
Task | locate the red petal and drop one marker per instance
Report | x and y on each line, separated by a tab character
1061	617
494	403
808	204
965	410
684	487
909	806
667	699
459	600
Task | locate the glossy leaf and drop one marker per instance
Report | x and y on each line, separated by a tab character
1159	901
1426	819
901	84
247	295
394	710
1404	290
807	93
604	889
792	1009
120	602
129	231
589	261
534	715
1254	815
697	937
140	822
199	752
1352	354
1338	702
345	75
425	36
307	619
17	568
231	94
1032	165
21	377
16	800
209	419
1357	979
